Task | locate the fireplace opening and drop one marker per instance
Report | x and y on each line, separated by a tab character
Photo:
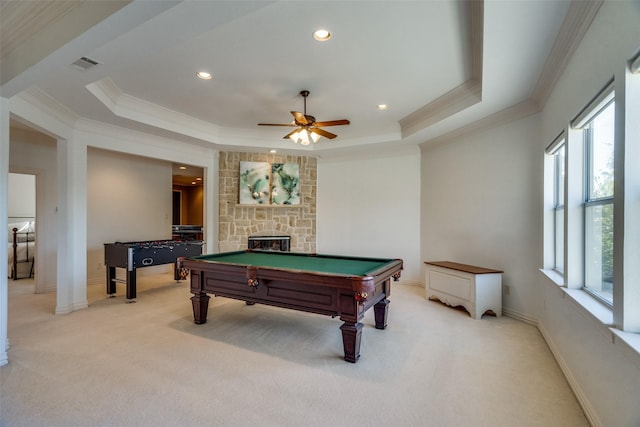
270	243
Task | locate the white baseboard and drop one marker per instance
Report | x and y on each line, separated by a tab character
506	311
573	383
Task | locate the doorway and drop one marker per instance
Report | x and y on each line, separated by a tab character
21	213
188	196
177	207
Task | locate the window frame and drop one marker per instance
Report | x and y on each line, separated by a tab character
559	168
604	101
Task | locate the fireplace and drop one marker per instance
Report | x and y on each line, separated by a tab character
270	243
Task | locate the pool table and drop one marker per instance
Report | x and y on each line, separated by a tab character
325	284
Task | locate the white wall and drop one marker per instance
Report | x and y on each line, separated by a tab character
35	153
22	195
612	38
370	207
481	206
129	199
603	371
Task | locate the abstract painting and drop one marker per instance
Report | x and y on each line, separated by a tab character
255	183
285	189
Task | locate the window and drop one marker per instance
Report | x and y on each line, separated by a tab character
558	206
592	204
598	207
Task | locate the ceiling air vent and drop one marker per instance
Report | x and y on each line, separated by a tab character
84	63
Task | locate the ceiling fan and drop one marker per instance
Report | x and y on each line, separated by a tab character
308	128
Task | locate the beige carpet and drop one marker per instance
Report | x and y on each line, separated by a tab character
148	364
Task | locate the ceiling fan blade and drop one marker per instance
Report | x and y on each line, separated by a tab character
300	118
324	133
276	124
290	133
333	123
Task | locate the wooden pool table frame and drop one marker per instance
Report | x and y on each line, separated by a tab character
348	297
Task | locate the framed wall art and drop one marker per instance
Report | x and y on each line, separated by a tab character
255	183
285	184
264	183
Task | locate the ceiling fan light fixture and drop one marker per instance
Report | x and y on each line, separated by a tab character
294	137
304	137
321	35
309	130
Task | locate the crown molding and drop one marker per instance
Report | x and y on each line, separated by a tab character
508	115
114	138
634	63
575	25
106	91
145	112
23	105
139	110
461	97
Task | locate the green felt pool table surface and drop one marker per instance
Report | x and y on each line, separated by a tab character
328	264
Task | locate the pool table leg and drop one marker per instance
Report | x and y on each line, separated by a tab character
351	337
380	310
200	302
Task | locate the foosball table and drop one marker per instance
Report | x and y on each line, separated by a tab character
134	255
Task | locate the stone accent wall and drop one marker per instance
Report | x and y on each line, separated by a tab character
238	222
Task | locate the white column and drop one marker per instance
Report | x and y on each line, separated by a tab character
4	189
211	208
72	226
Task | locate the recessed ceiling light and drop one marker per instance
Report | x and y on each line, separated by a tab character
321	35
198	179
382	106
273	151
193	182
182	167
204	75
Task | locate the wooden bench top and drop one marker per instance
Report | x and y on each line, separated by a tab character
463	267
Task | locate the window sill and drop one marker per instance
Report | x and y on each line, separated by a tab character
554	276
630	344
600	314
591	306
594	307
